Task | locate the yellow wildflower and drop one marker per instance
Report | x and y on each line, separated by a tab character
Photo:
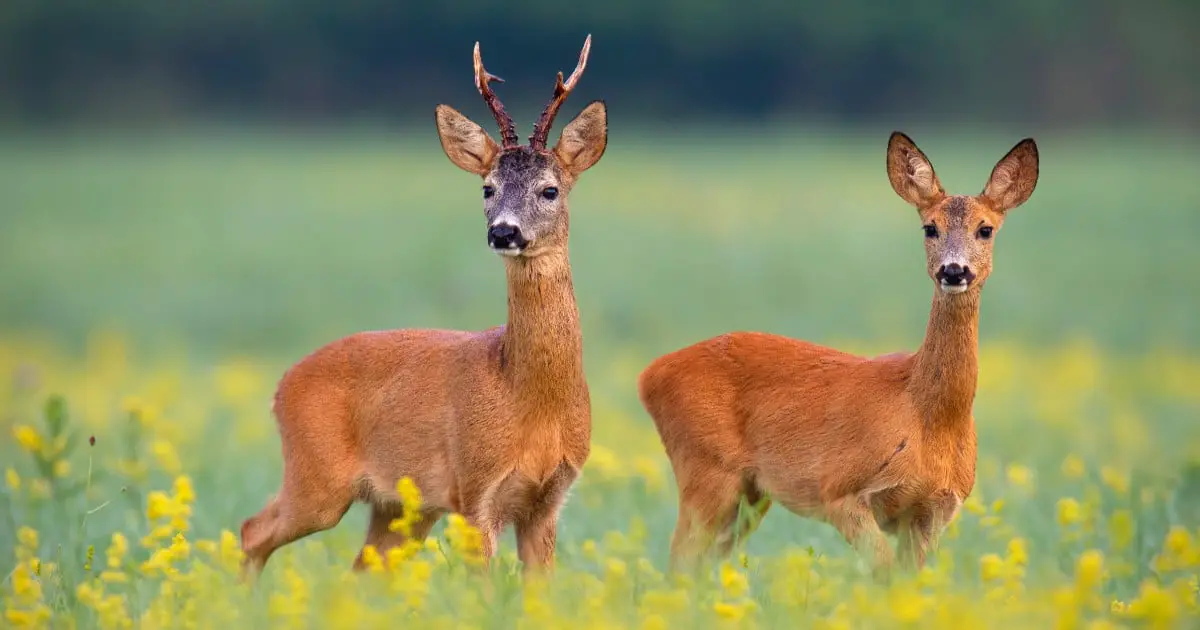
28	437
465	540
25	586
975	505
1179	541
293	602
166	456
1070	512
991	567
615	568
1020	476
12	479
907	605
159	505
183	490
1018	553
35	618
113	577
1154	605
1089	570
589	550
654	622
371	559
410	499
27	537
239	381
410	494
1120	528
730	612
650	473
1116	480
666	601
1073	467
62	468
733	581
179	546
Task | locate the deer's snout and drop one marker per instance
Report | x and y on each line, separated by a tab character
506	238
955	277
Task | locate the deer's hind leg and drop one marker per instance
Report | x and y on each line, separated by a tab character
852	516
320	481
298	511
709	525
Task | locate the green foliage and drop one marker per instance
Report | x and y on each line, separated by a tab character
277	243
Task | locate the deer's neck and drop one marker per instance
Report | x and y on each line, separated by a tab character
542	343
946	368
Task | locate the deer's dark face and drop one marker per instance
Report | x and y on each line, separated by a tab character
524	198
525	190
959	229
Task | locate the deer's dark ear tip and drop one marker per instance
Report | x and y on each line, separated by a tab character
899	136
600	106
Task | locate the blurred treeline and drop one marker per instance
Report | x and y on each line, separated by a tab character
1036	61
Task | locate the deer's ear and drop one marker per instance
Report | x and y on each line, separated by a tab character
911	173
1014	177
584	139
465	143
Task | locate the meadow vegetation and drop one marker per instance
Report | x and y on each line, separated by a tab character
155	288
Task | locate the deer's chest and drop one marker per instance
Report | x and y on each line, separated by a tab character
936	481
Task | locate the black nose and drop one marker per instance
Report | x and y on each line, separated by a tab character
505	236
954	274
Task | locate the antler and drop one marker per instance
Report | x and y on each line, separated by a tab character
542	129
508	130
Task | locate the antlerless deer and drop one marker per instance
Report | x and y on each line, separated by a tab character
494	425
868	445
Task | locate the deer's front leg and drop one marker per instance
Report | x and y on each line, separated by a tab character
537	536
921	527
853	517
914	539
537	530
478	510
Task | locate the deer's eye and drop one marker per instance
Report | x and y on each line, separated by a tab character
488	191
985	232
550	194
931	231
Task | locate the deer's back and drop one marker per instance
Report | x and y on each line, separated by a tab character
387	402
817	421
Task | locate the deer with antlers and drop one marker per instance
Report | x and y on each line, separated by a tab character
868	445
494	425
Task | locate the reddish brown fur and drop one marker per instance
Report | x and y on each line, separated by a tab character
494	425
869	445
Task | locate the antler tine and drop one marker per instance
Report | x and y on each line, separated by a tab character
541	130
508	129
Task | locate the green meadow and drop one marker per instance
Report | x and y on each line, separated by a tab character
161	283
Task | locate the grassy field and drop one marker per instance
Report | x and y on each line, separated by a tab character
160	285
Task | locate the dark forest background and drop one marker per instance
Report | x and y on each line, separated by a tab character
1052	62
